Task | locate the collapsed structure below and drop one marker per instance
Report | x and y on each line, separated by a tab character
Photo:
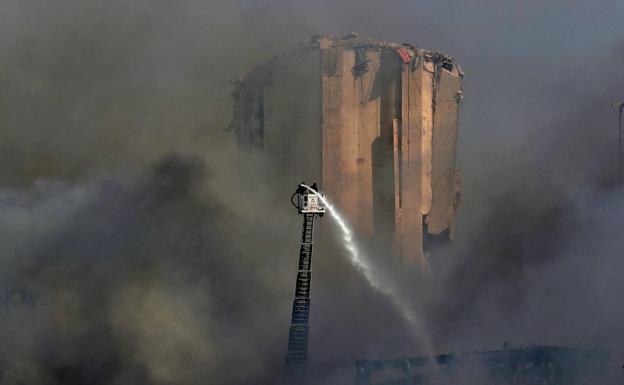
533	365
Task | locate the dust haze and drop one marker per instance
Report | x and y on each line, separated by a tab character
145	249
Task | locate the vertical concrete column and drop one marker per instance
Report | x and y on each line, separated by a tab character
350	127
426	131
413	81
397	239
446	126
385	164
339	130
367	120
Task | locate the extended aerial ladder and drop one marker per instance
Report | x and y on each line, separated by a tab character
308	204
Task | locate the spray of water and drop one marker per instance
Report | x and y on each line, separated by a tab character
374	279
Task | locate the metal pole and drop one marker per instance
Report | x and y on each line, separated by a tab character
620	107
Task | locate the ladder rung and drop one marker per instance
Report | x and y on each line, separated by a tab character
298	336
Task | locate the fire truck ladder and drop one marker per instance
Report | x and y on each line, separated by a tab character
296	358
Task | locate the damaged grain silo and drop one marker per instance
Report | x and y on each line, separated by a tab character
375	122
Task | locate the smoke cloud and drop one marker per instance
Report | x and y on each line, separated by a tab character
138	246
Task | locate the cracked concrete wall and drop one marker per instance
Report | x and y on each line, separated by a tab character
444	183
350	127
292	118
375	122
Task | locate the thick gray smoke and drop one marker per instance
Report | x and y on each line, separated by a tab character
130	282
122	263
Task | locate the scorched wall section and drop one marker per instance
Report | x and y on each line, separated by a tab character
375	122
